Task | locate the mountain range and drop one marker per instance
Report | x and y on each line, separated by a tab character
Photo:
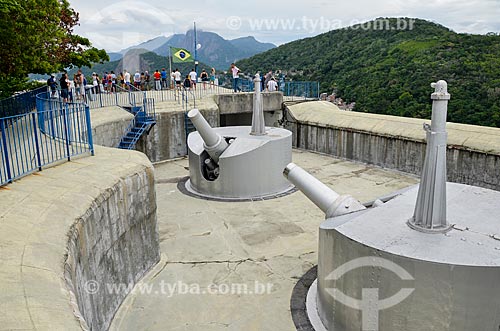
389	70
214	50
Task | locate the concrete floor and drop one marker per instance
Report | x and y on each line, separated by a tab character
218	258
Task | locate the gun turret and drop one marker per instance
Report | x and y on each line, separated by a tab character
331	203
213	144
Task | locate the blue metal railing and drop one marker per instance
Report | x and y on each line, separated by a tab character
20	104
303	90
56	132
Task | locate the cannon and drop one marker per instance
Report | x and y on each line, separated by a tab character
331	203
237	162
425	259
213	144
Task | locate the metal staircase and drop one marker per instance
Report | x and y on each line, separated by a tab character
143	122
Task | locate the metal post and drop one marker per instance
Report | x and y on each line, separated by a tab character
258	122
37	147
89	131
66	132
430	209
6	150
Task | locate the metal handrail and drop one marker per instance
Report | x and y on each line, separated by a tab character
57	131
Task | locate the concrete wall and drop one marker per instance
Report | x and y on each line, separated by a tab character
235	103
167	139
115	242
68	228
395	142
109	125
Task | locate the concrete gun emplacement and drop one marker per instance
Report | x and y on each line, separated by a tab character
213	143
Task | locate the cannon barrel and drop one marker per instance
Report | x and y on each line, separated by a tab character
331	203
214	144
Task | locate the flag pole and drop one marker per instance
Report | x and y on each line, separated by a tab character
195	52
170	66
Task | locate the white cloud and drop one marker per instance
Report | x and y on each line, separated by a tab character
120	24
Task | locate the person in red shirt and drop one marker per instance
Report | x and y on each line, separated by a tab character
157	77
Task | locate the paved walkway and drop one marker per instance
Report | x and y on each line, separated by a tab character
212	250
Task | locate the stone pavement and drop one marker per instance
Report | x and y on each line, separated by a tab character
224	255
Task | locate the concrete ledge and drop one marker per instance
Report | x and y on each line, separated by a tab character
109	125
236	103
101	211
395	142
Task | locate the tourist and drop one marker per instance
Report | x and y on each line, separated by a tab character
204	78
95	82
193	76
268	77
83	82
212	78
272	86
63	82
110	82
187	82
121	80
178	78
147	79
126	79
71	88
163	78
157	77
113	80
52	84
236	77
137	79
172	79
143	81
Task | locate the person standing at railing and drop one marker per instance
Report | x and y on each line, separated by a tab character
193	76
52	84
121	80
163	78
187	83
71	89
157	77
137	80
204	78
235	71
212	78
63	83
178	78
147	78
126	78
95	83
272	86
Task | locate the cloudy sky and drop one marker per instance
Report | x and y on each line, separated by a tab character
115	25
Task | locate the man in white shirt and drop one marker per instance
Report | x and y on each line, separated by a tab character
126	79
178	78
137	79
193	76
272	86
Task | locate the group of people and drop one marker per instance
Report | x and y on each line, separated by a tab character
268	81
70	89
190	80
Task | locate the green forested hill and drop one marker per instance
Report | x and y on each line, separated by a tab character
389	71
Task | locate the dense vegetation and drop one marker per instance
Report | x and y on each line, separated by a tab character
389	71
37	37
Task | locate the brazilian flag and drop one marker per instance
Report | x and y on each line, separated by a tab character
180	55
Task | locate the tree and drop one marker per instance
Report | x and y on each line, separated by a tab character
37	37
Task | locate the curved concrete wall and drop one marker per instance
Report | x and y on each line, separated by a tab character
394	142
70	227
111	247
